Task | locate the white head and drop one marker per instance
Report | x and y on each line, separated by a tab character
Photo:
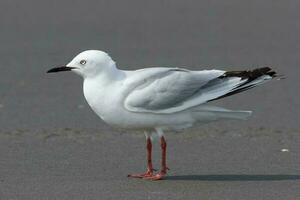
89	63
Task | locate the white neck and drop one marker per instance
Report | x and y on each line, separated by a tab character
107	76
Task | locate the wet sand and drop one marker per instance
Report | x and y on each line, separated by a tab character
214	164
52	146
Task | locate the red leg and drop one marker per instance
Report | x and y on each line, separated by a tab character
149	171
163	144
164	168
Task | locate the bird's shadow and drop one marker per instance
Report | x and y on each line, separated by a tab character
234	177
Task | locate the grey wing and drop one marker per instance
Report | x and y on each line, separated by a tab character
172	90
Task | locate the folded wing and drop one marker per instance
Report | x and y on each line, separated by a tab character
173	90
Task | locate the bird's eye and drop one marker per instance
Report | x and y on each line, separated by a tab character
83	62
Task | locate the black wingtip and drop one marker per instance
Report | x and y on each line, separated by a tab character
265	71
251	74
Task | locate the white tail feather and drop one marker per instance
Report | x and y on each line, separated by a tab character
234	114
222	113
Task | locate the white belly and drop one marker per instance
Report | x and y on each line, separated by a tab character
107	103
109	107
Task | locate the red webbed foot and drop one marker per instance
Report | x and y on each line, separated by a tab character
148	173
158	176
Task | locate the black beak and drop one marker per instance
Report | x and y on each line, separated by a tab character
60	69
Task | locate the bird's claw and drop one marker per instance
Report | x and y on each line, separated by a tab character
156	177
149	173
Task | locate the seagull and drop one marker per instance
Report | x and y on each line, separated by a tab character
159	99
